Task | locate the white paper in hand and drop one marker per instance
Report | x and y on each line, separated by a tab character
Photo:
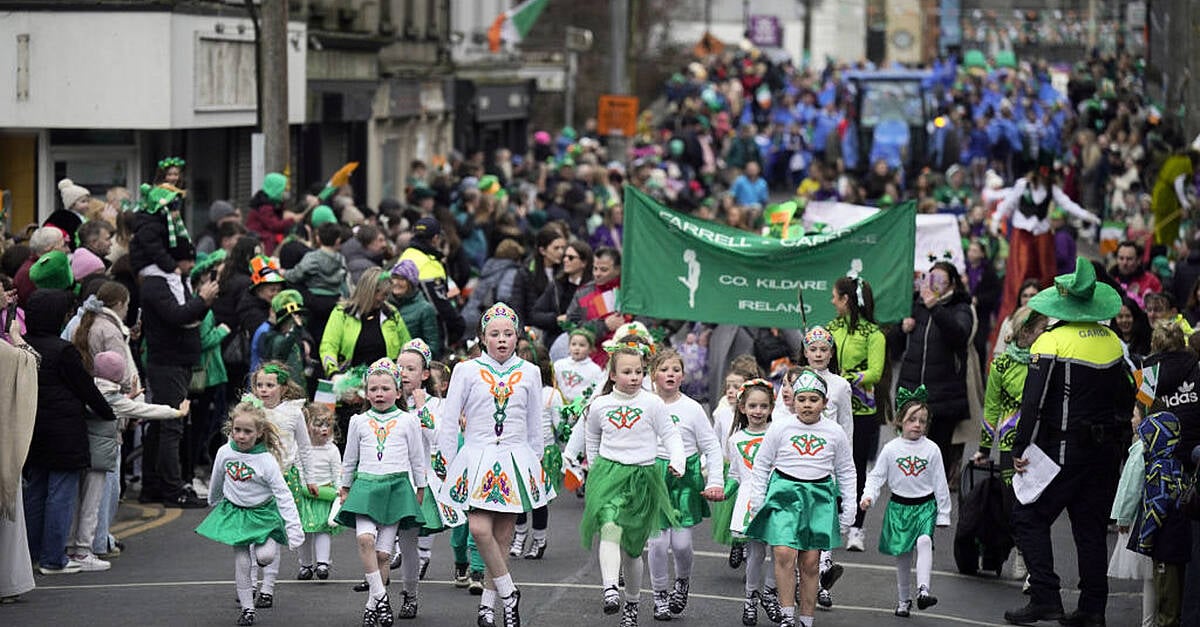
1039	472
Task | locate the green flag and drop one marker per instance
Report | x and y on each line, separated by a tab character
678	267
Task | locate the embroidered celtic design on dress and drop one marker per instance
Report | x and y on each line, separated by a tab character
571	378
458	493
238	470
912	465
624	417
749	450
533	488
438	462
381	431
808	444
426	418
496	487
501	386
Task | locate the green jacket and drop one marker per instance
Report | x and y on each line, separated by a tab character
861	356
210	351
1129	488
421	319
1002	408
341	335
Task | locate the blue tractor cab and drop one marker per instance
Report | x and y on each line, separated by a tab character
892	109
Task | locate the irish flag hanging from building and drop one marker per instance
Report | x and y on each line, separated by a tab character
511	26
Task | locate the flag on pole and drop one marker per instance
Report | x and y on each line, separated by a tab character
1147	384
512	25
339	178
325	395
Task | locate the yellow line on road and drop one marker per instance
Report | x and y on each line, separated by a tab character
126	531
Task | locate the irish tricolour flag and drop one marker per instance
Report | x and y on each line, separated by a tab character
511	26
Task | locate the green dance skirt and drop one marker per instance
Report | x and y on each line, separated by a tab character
903	523
314	510
241	526
632	497
685	493
798	514
552	467
386	499
722	514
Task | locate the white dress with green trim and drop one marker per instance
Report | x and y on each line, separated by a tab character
384	466
499	465
438	516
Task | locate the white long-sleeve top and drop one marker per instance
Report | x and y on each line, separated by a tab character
698	437
384	443
325	464
1012	201
552	404
477	387
249	479
627	428
806	452
126	408
429	416
837	405
741	449
574	377
288	419
912	469
723	421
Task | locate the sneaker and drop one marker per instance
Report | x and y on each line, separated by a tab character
924	599
512	609
662	605
750	610
199	488
824	599
769	598
904	608
461	578
90	563
831	575
518	544
185	500
486	617
537	548
383	611
612	600
737	555
476	585
264	600
247	617
322	571
408	606
71	568
679	596
305	574
629	616
854	540
424	567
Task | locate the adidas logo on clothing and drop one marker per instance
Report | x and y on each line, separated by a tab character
1185	394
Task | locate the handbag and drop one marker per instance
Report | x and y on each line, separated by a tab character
237	352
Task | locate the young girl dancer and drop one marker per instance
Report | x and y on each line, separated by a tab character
627	497
911	466
689	493
818	351
383	464
802	467
752	417
283	400
576	372
324	466
254	508
552	405
497	473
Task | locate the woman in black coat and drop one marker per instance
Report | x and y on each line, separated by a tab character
549	312
58	452
935	341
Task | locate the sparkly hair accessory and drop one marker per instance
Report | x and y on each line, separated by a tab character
496	312
168	162
752	383
905	396
421	348
642	349
281	373
818	335
585	332
384	366
253	400
809	381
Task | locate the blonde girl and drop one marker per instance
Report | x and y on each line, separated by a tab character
255	511
626	497
381	487
324	466
283	400
911	466
497	473
689	493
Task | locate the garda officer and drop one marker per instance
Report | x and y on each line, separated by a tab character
1077	402
425	252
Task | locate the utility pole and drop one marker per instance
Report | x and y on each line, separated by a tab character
808	19
273	82
619	15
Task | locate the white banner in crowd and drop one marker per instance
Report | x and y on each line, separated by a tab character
937	234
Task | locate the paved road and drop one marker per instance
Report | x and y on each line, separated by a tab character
171	576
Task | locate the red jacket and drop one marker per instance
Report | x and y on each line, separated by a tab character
23	283
267	222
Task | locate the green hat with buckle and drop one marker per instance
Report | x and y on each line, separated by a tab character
287	302
1078	297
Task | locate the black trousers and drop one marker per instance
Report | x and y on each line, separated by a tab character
160	453
1086	492
864	447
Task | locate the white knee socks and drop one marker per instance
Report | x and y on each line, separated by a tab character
610	554
410	565
633	577
375	580
267	556
241	575
320	546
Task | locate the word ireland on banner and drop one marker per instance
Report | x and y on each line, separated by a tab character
678	267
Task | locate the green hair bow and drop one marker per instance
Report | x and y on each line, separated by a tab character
253	400
905	395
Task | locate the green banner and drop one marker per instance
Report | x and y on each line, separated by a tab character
677	267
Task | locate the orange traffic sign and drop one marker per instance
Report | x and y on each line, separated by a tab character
617	115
